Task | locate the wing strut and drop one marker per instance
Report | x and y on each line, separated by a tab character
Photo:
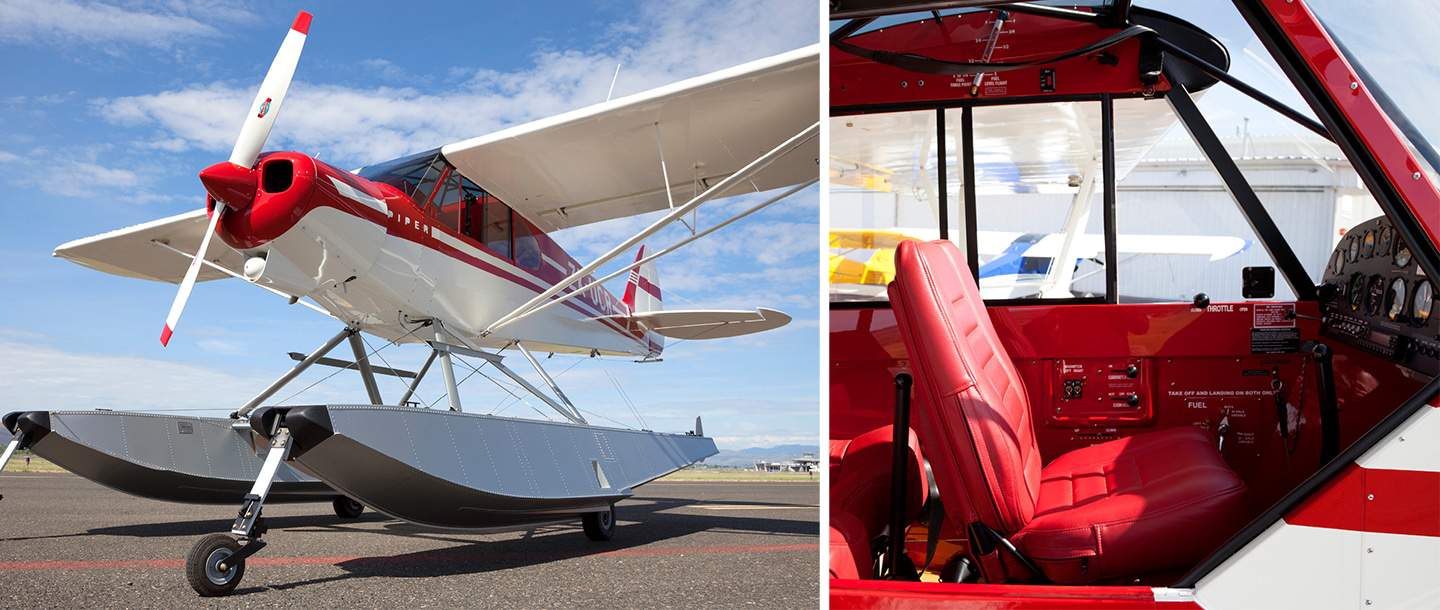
760	163
446	349
662	252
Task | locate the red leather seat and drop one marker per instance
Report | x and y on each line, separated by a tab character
860	497
1152	502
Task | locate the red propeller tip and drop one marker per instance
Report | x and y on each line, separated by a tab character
302	23
165	336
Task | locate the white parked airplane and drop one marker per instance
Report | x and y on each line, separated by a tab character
447	248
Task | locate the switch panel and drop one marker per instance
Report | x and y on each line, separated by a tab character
1100	391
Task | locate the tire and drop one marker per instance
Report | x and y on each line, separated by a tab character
599	526
346	508
202	566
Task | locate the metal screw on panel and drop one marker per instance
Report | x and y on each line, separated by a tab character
1415	175
1354	85
1370	497
904	84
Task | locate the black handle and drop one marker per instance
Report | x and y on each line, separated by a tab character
900	445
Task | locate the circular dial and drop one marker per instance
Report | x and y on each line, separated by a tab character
1356	291
1337	265
1395	299
1424	302
1375	296
1403	257
1352	251
1387	241
1367	249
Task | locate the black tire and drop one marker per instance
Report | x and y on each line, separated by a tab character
346	508
203	566
599	526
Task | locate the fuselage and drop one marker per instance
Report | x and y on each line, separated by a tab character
411	240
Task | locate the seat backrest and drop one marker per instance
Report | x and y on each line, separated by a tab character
972	413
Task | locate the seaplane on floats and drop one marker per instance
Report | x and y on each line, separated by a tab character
448	249
1073	448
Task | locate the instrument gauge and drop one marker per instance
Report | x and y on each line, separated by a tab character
1337	265
1352	251
1403	257
1356	292
1387	242
1424	302
1367	249
1375	298
1395	300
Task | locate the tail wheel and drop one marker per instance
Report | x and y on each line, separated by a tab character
599	526
209	567
346	508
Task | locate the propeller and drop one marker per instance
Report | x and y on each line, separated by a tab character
232	183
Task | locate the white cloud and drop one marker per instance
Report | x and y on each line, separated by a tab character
665	42
97	23
45	377
80	179
6	157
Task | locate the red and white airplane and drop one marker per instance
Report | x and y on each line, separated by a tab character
448	248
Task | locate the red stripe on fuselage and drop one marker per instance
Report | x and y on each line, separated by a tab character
1375	500
393	228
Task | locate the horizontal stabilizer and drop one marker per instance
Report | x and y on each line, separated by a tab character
133	251
707	324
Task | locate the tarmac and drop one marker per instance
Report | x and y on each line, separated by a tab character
68	542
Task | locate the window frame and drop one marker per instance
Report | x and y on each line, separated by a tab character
966	156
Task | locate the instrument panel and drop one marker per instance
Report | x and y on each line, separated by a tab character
1375	297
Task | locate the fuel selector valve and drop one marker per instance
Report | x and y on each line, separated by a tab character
1223	429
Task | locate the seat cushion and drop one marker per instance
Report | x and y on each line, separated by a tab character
1155	501
849	548
860	472
860	478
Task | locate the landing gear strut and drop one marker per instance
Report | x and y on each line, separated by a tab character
216	563
599	526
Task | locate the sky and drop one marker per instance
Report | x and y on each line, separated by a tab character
111	108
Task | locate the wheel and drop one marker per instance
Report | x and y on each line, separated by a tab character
347	508
208	568
599	526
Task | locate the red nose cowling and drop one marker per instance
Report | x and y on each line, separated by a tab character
230	183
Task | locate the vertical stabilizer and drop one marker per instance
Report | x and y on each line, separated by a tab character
642	291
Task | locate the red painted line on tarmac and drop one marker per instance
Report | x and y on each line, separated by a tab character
125	564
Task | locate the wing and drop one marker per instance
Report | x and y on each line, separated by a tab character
139	251
603	161
1216	247
708	324
1019	149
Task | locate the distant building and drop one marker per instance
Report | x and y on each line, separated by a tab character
805	463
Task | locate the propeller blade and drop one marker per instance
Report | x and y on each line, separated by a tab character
188	284
271	95
247	149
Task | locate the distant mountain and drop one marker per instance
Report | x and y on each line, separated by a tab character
747	457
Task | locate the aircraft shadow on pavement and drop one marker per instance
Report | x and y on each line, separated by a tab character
641	523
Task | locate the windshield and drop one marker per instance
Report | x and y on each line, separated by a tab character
414	175
1398	56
